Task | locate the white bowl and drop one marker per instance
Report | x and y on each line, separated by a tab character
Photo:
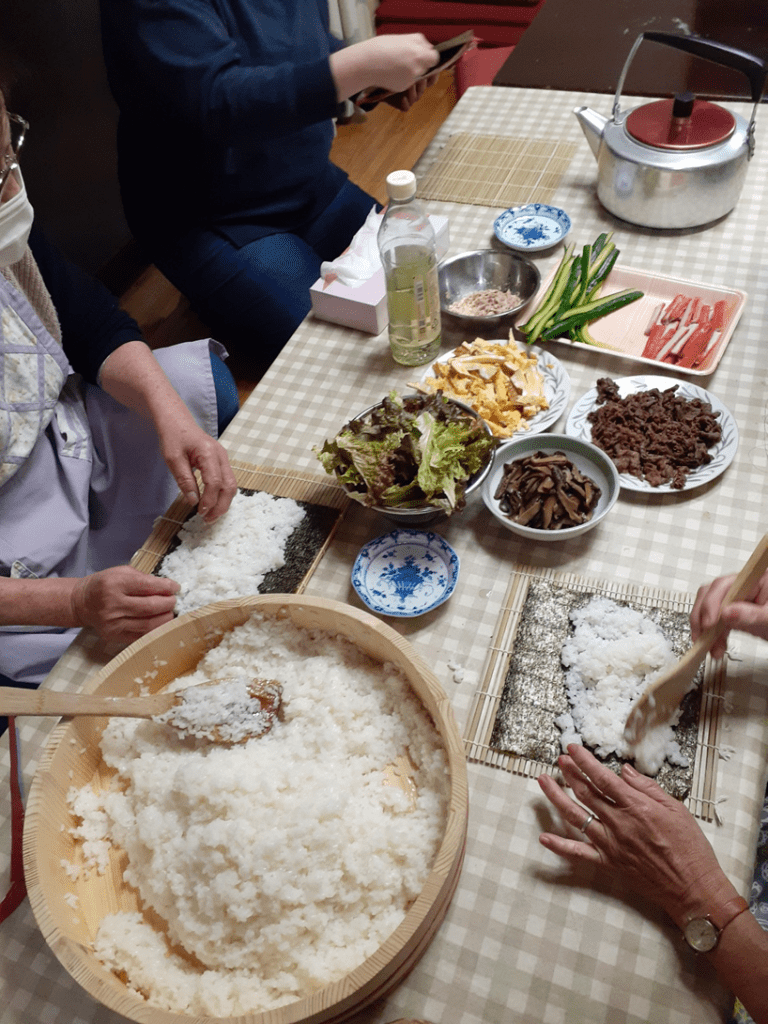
405	573
586	457
533	227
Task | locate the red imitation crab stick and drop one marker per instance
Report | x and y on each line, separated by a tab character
717	320
675	309
695	347
686	332
656	340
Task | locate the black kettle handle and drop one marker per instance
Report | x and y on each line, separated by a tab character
756	70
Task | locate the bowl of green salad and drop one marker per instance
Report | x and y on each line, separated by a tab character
414	458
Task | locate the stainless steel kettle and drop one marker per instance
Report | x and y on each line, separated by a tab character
674	163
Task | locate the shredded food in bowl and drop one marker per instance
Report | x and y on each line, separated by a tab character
488	302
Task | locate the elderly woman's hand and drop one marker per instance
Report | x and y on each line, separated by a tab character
122	604
185	448
133	377
749	616
638	833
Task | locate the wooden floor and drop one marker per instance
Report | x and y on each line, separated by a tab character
387	140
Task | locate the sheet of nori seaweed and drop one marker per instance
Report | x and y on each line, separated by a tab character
534	691
301	548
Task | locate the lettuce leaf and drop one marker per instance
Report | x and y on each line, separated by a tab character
407	453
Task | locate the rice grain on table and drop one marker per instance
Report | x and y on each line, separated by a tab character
280	864
230	558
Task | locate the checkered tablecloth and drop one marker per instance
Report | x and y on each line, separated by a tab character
524	939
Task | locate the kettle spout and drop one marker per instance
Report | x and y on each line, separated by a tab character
593	126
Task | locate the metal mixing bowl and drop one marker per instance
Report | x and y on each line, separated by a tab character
425	514
479	270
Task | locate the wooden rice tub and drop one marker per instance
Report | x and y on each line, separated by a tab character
73	758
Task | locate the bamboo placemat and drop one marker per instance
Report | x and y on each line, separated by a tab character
495	170
702	798
281	483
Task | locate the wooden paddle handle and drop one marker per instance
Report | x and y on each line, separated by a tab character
18	701
662	698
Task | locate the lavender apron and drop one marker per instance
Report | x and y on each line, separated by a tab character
81	477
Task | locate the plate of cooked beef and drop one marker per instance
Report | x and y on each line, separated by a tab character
663	435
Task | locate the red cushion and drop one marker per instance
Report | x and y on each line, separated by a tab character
479	66
491	35
438	20
446	10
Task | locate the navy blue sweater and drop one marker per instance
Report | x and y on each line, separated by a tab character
92	323
225	114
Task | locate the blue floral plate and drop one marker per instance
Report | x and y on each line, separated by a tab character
405	573
532	227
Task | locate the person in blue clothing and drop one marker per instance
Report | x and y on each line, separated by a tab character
97	436
225	130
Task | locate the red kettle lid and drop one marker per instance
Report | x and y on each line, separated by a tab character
680	123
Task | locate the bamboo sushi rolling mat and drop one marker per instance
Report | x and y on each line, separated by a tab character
524	939
281	483
492	170
481	743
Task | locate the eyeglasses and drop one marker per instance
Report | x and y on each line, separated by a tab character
19	128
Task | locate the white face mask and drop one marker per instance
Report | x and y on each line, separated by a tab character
16	216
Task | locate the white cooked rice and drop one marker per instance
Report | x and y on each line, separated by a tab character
230	558
615	653
280	864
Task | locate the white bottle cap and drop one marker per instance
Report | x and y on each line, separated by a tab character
401	184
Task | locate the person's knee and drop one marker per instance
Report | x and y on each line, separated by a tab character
253	297
227	398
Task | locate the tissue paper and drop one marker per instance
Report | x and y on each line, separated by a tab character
360	261
343	296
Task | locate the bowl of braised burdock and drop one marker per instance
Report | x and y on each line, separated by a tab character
550	487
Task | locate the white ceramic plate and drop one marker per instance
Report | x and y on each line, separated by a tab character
722	454
405	573
622	334
587	458
557	388
532	227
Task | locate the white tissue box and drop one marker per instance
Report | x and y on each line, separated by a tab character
365	306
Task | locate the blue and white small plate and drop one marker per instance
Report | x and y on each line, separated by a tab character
532	227
405	573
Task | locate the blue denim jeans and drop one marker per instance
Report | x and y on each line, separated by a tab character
227	398
256	296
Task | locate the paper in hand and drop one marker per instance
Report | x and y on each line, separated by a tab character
450	51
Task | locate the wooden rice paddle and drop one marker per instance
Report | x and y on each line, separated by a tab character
255	719
663	697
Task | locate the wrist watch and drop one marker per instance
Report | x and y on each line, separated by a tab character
703	933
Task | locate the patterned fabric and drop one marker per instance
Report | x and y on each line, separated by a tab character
758	898
26	278
350	20
31	373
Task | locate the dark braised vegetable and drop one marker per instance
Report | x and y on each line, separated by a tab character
546	492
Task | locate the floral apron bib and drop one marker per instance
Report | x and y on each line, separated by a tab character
81	477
